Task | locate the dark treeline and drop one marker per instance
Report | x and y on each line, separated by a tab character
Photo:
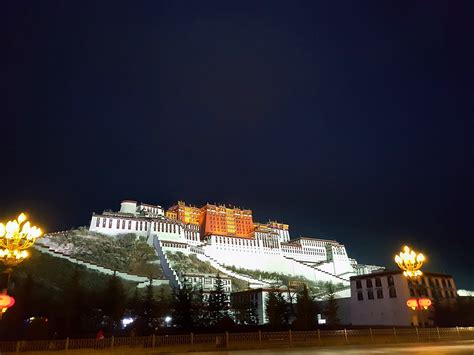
76	310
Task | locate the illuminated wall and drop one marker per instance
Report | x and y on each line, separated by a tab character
184	213
225	221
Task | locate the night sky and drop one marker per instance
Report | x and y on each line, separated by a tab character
347	120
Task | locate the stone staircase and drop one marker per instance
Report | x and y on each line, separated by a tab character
311	265
322	295
253	282
166	265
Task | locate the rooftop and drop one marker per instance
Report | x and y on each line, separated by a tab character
395	272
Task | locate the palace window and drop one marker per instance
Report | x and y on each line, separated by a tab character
390	280
392	292
129	224
378	282
360	296
379	293
123	224
369	283
118	223
97	222
370	295
146	226
103	222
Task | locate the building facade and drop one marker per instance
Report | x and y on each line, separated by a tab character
229	237
380	298
207	283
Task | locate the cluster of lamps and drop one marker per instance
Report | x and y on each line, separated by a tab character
15	237
410	262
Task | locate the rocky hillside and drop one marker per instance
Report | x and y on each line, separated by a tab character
124	253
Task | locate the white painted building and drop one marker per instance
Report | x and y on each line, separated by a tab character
269	248
380	299
207	282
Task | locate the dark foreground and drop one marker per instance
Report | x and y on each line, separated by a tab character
460	347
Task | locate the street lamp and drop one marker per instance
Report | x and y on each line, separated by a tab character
411	262
15	237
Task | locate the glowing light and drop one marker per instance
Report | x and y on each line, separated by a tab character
167	319
414	303
126	321
424	302
410	262
6	302
15	237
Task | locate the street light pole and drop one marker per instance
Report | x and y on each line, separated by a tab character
15	237
411	262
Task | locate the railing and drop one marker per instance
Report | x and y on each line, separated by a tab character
258	339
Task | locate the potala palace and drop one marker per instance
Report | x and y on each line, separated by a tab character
228	239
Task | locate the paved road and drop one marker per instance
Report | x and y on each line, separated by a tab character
461	347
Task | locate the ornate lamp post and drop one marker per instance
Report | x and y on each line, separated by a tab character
15	237
411	262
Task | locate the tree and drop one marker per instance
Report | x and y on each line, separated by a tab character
149	317
200	311
306	310
218	303
114	301
245	310
331	306
277	308
183	306
73	300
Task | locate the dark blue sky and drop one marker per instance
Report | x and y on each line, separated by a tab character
352	121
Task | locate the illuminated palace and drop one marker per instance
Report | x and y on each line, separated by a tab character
228	238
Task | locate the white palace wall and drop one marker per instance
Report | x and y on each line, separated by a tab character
269	250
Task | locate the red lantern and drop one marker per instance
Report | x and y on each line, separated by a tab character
412	303
424	302
6	302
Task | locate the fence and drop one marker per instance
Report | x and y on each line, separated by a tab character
247	340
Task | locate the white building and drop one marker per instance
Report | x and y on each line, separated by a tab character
380	299
269	248
207	282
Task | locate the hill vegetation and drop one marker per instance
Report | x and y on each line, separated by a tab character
183	263
280	279
124	253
